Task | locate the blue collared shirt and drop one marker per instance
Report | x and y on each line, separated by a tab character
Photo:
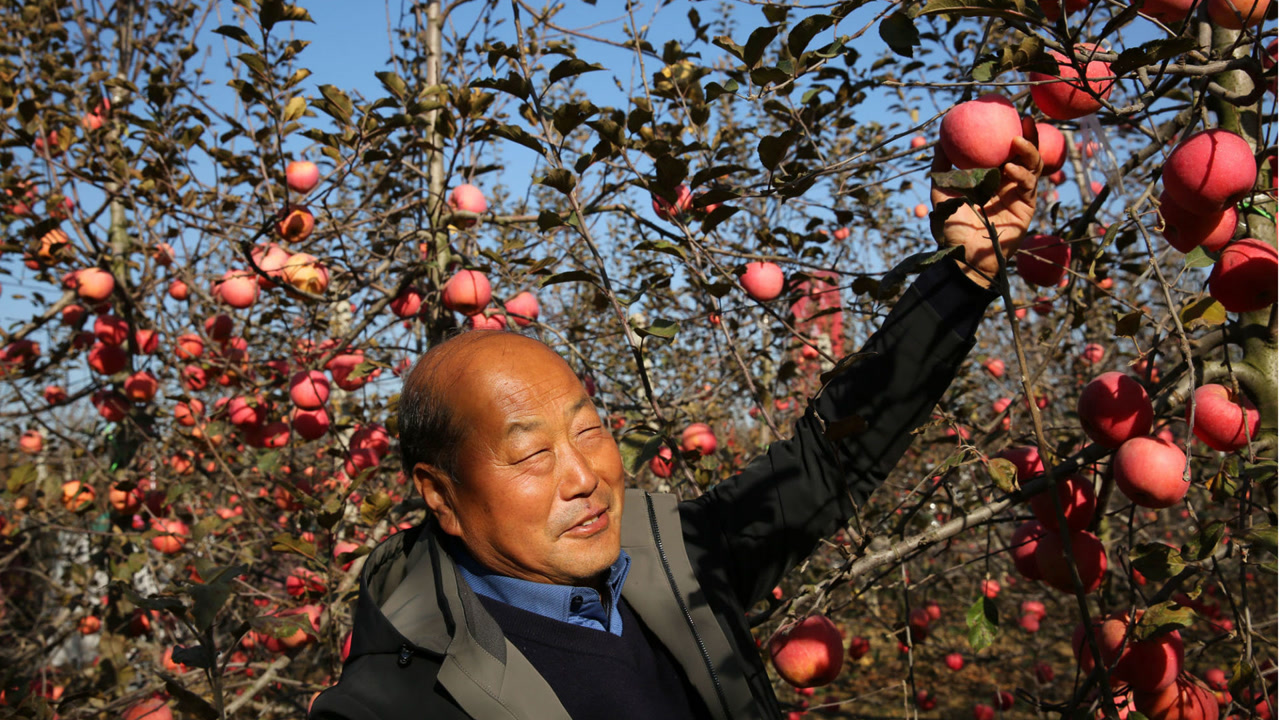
581	606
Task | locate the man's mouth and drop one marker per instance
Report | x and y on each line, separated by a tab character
595	521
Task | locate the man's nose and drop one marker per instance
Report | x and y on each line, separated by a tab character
579	477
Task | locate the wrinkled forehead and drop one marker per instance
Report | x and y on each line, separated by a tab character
503	373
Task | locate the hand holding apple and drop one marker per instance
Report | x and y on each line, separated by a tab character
1010	212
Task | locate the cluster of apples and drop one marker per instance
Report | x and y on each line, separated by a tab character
468	292
698	437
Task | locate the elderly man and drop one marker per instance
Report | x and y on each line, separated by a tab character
541	588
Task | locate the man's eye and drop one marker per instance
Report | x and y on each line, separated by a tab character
590	429
531	456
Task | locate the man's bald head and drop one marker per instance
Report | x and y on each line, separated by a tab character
428	432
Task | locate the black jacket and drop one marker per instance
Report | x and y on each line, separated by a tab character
424	647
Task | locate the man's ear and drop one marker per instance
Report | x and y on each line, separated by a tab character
437	490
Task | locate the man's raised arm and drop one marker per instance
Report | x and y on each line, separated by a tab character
769	517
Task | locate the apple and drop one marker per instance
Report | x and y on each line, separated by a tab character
309	389
1220	421
107	359
983	712
1022	546
922	210
467	198
154	708
990	589
808	653
141	386
918	625
77	496
1068	96
1044	673
763	281
163	255
661	464
926	700
241	411
110	329
31	442
1168	11
1087	551
1238	14
1053	10
343	366
1183	699
295	223
1043	260
1053	147
1187	228
664	209
1003	700
917	142
188	413
1244	279
481	321
55	395
1148	470
954	661
73	315
93	284
111	406
1209	171
1078	501
700	437
189	347
467	292
1026	461
1034	608
271	259
302	176
842	233
172	535
407	303
979	133
1092	354
145	341
858	647
238	288
178	290
302	581
1114	408
310	424
523	308
306	273
219	327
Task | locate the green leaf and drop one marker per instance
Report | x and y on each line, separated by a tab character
772	148
1205	542
900	34
1261	538
726	43
274	11
1197	258
800	36
571	67
756	43
238	34
1163	618
1003	473
1008	9
339	105
20	477
560	179
662	328
1205	311
983	620
392	82
189	703
284	542
375	507
914	263
294	109
570	276
1151	53
196	656
518	135
1157	561
1127	325
210	596
549	219
638	448
977	185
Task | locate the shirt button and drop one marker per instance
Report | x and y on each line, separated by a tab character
575	604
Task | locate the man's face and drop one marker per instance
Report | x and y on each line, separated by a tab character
540	486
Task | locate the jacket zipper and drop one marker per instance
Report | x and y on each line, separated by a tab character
406	654
688	617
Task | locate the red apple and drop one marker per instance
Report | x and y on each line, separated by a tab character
467	198
700	437
1068	96
467	292
407	303
1026	461
172	535
1148	470
1053	10
309	389
188	413
1238	14
995	366
1167	11
921	210
858	647
1220	421
141	386
990	589
522	308
1086	549
302	176
1022	546
664	209
295	223
481	321
310	424
1209	171
178	290
808	653
1186	228
31	442
1183	699
107	359
1114	408
1043	260
145	341
110	329
93	284
238	288
189	347
1078	500
954	661
661	463
55	395
763	281
1053	147
983	712
219	327
306	273
1245	277
979	133
154	708
1092	354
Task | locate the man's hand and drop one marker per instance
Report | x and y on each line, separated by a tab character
1010	212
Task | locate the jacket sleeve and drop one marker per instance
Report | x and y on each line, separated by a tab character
757	525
